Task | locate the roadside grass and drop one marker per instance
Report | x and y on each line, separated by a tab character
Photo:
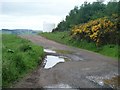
0	60
19	56
65	38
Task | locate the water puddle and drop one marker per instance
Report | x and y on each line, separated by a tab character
51	60
110	80
49	51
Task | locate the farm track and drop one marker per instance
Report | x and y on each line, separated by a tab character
85	70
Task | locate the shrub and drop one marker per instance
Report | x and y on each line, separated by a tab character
101	31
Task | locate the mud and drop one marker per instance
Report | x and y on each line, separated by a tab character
75	73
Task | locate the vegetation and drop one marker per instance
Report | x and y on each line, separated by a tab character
87	12
92	26
65	38
19	56
0	60
101	31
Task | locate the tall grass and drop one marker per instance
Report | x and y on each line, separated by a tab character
19	56
65	38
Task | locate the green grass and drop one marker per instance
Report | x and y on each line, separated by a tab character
19	56
0	60
65	38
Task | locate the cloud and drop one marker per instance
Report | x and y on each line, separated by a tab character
44	7
39	7
32	13
29	22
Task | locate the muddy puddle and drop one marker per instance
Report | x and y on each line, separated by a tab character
51	60
110	81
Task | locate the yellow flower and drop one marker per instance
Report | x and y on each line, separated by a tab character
80	31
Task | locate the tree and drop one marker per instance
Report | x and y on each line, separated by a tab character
87	12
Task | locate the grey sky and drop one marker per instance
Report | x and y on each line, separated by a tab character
33	8
32	13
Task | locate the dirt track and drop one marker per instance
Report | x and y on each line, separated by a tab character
77	73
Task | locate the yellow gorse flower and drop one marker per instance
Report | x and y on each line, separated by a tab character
95	29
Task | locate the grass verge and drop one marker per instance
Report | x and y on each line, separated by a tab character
0	60
19	56
65	38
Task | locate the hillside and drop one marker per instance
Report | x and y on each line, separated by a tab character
92	26
86	12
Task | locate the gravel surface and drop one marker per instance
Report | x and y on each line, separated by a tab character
85	69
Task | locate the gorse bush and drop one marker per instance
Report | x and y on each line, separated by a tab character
86	12
65	38
92	26
101	31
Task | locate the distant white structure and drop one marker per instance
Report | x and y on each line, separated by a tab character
48	27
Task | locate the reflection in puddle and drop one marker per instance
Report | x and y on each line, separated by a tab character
49	51
51	61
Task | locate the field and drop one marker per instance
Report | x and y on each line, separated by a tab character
19	56
65	38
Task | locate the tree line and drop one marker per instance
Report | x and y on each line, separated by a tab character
86	12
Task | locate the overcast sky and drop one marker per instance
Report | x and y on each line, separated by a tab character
30	14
